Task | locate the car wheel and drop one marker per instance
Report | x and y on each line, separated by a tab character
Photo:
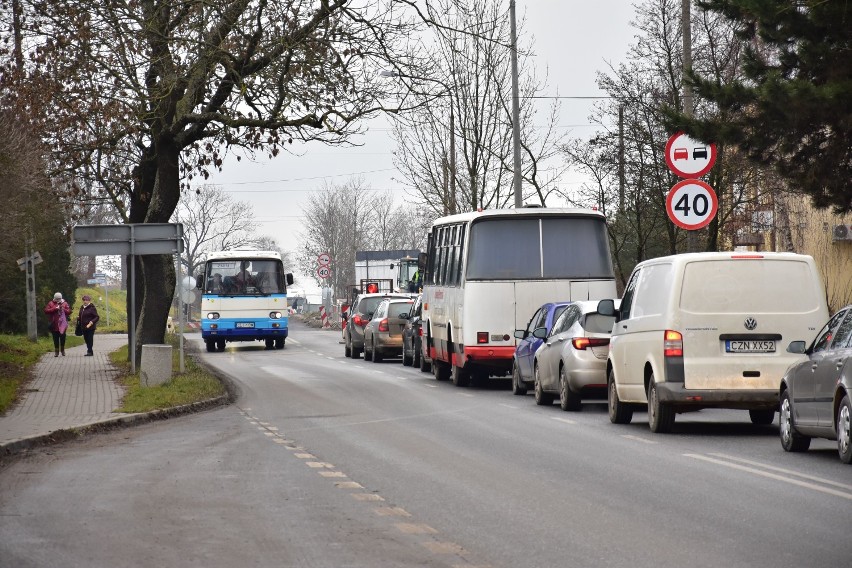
460	376
368	355
415	356
441	370
518	387
406	360
377	355
661	417
568	400
619	412
791	440
762	417
425	366
347	348
541	398
844	430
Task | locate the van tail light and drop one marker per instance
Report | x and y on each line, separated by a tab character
359	320
672	344
481	337
583	343
383	325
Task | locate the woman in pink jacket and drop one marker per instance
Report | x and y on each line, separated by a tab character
58	311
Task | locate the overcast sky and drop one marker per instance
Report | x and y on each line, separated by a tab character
573	39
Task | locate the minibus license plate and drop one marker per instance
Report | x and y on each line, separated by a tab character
245	324
743	346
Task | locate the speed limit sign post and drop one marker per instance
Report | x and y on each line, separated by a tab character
691	204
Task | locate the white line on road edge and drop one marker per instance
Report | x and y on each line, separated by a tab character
789	480
787	471
638	439
565	420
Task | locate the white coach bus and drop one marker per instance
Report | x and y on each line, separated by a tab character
487	272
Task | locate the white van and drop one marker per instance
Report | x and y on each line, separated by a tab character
705	330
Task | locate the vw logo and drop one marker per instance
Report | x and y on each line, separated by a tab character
750	323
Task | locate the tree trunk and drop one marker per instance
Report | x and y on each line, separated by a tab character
159	270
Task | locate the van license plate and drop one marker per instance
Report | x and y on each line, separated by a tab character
738	346
245	324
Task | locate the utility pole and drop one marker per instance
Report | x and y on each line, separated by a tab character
28	264
686	20
453	202
516	112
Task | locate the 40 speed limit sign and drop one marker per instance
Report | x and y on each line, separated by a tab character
691	204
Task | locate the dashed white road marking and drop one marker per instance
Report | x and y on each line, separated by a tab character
565	420
430	386
509	406
467	394
638	439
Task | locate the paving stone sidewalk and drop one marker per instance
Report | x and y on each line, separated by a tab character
67	392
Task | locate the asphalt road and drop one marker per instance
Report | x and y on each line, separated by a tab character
325	461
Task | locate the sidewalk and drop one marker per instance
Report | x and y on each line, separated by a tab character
67	393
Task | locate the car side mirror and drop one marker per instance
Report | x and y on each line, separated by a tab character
521	333
540	332
798	347
607	308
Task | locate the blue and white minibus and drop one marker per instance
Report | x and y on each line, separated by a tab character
244	298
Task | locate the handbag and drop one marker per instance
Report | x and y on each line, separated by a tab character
78	329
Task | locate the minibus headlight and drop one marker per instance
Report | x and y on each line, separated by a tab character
213	315
275	315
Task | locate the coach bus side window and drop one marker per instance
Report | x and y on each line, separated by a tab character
429	277
460	260
451	257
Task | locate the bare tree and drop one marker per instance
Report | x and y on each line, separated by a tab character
213	221
462	117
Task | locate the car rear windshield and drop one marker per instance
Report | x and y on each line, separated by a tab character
397	308
749	286
596	323
368	305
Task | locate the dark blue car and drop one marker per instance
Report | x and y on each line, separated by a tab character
522	369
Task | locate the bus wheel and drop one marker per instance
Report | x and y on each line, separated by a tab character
425	366
279	342
460	376
220	344
270	344
211	345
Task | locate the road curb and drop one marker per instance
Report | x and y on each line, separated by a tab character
108	424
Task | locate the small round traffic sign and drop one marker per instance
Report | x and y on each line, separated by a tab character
688	158
324	272
324	259
691	204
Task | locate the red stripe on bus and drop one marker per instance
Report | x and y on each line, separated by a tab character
479	353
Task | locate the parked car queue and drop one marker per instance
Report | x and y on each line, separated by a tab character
571	351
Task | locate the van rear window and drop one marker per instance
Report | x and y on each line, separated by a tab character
748	286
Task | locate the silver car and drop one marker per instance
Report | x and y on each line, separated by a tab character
571	361
360	315
815	394
383	335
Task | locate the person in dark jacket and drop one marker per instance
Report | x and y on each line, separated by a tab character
58	311
89	320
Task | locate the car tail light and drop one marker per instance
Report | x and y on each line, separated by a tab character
359	320
672	344
383	325
482	337
582	343
419	332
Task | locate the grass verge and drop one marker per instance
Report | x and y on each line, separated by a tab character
193	385
18	357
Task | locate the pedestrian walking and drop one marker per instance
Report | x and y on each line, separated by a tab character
88	318
58	311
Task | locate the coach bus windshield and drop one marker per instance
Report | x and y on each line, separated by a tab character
537	248
251	277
